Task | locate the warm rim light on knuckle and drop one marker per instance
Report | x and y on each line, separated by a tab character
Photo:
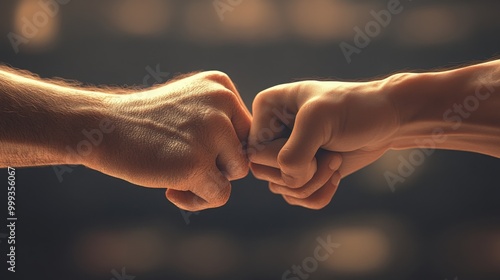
216	75
221	78
224	96
262	100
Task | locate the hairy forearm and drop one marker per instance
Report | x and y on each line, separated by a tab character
457	110
38	119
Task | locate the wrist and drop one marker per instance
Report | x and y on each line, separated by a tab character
444	110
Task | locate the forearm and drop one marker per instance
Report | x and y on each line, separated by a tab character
456	110
39	120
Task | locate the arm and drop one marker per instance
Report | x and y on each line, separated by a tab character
185	136
457	109
38	119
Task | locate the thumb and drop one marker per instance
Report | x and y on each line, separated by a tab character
297	159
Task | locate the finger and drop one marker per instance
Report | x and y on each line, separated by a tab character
297	157
239	114
328	163
320	198
231	159
186	200
267	173
273	114
241	120
211	189
267	153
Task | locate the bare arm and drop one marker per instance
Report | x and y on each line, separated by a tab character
185	136
457	110
38	119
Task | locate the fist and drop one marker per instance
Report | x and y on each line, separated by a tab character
184	136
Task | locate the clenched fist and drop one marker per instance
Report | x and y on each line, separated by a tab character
304	132
185	136
329	130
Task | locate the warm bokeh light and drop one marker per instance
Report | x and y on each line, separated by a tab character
321	20
141	17
139	249
208	255
363	250
199	25
37	25
256	20
395	169
369	244
470	249
434	25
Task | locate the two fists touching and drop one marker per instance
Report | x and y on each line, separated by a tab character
193	136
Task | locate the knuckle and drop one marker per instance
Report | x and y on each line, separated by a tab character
294	183
212	118
287	161
316	205
216	75
222	98
241	172
237	168
320	203
274	189
221	199
302	194
261	98
220	78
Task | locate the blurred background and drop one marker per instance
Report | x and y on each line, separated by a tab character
442	222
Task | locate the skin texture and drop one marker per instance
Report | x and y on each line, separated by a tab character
185	136
356	123
188	135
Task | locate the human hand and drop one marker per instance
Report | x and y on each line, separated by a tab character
306	136
185	136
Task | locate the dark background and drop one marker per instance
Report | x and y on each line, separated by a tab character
442	222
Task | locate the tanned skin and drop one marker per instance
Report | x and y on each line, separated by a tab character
185	136
304	137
